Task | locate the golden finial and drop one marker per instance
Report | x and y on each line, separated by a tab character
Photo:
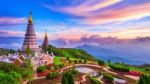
30	17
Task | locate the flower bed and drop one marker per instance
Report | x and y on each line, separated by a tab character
135	73
42	74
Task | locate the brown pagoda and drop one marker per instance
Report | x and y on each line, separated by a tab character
30	37
45	42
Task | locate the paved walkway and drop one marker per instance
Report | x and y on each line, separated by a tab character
132	77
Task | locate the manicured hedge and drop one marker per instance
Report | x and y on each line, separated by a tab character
119	68
74	71
108	77
94	81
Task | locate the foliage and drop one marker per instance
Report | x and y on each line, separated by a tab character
6	51
64	81
69	52
11	74
85	61
144	79
101	62
119	67
80	61
41	68
10	78
108	77
28	50
56	67
94	81
67	58
67	78
75	61
57	61
61	65
73	71
52	75
127	68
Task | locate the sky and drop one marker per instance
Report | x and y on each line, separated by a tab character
74	19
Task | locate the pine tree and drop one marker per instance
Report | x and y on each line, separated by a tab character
64	80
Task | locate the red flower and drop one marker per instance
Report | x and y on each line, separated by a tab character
135	73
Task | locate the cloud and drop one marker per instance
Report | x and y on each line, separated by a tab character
83	8
133	12
128	33
77	34
7	21
6	33
100	12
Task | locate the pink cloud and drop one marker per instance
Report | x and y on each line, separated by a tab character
6	33
11	21
84	8
128	13
91	11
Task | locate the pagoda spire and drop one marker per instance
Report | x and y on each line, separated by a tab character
45	42
30	36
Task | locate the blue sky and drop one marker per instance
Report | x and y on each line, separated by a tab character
71	20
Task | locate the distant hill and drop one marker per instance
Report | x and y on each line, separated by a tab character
69	52
125	53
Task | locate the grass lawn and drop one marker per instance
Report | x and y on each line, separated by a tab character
133	68
57	61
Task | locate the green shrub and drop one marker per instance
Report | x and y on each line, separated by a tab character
80	61
67	58
61	65
52	75
41	68
74	71
101	62
85	61
94	81
108	77
56	67
10	78
67	78
75	61
64	80
119	68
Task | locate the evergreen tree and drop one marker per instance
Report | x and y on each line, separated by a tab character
67	76
64	80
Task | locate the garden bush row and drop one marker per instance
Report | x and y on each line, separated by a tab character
119	68
94	81
108	77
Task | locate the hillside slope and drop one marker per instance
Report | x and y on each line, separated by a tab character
69	52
